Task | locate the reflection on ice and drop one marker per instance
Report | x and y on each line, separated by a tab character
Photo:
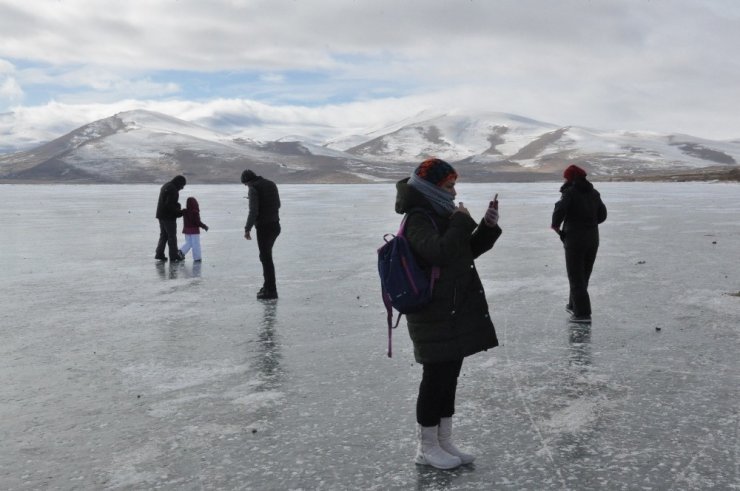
580	346
268	354
172	271
432	479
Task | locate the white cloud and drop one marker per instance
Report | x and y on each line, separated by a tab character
642	65
6	67
23	126
273	78
10	90
238	117
90	84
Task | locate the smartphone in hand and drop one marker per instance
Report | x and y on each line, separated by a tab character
494	203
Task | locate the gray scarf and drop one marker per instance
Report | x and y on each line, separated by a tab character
442	201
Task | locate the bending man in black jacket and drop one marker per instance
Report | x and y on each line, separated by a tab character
580	211
264	203
168	211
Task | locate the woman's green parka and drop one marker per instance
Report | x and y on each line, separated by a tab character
456	323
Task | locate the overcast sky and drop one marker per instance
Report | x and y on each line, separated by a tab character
327	67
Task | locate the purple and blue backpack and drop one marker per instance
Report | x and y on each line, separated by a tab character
405	285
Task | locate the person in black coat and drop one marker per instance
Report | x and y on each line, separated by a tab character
456	323
168	211
264	206
579	211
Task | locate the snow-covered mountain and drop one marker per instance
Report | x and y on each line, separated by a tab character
143	146
509	143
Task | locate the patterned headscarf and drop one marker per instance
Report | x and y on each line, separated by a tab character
428	179
436	171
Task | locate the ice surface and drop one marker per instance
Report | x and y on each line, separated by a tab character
120	373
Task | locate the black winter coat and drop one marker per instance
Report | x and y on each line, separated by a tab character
580	211
264	203
456	323
168	206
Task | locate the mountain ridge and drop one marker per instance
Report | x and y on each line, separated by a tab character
141	146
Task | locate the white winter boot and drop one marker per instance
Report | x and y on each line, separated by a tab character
430	453
444	437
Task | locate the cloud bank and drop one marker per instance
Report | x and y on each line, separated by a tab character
320	68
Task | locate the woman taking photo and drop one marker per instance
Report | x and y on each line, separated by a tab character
456	322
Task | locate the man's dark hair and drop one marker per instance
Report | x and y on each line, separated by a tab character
247	176
179	181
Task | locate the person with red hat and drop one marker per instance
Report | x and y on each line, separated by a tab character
579	211
456	322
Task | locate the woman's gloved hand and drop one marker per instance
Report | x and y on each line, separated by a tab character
491	217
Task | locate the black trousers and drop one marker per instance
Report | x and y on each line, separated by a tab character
267	234
437	390
580	254
167	237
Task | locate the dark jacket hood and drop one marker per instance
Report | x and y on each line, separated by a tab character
179	182
408	198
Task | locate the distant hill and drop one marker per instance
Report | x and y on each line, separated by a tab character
143	146
504	143
147	147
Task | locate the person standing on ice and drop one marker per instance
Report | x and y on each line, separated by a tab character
579	211
456	322
168	211
264	206
191	229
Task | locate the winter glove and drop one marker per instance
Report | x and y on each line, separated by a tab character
491	217
205	227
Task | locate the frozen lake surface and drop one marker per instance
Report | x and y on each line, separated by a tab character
120	373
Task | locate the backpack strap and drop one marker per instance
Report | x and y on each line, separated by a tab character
391	326
386	296
387	302
435	269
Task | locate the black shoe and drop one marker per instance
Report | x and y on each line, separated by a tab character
176	260
580	319
267	295
180	255
160	258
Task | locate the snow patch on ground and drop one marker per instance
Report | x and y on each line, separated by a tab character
260	400
165	378
127	469
572	418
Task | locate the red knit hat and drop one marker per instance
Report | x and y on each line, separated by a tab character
436	171
573	172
